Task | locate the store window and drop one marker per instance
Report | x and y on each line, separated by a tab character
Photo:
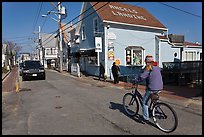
128	57
134	55
92	60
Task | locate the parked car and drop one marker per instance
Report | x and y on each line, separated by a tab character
33	69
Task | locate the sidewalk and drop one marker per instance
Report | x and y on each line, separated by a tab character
9	80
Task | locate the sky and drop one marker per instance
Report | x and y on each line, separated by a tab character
20	20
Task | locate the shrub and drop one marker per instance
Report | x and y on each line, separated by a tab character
4	70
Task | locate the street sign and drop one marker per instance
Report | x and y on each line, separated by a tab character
98	44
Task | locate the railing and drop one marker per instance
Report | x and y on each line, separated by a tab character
182	73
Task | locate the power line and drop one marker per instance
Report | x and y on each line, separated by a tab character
180	10
68	23
25	39
54	32
36	19
49	14
80	14
87	16
44	23
48	38
18	37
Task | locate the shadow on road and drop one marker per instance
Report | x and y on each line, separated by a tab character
137	118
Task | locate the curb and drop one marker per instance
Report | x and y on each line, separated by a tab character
6	75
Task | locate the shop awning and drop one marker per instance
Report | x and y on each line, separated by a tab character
134	48
75	54
88	52
84	52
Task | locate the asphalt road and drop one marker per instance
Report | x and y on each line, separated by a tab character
66	105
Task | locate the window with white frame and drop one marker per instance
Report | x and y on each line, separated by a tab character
190	55
134	55
83	36
95	24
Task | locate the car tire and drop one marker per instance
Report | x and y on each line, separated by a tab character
43	78
23	78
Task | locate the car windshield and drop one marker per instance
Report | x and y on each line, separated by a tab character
32	64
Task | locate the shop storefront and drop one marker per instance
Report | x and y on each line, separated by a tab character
128	33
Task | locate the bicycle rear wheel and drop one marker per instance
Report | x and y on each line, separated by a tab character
130	104
164	117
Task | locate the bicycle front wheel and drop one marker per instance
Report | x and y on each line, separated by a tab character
164	117
130	104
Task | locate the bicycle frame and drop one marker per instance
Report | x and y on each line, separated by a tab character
138	94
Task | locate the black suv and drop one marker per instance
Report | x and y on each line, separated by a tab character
32	69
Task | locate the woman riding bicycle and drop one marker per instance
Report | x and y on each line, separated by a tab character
154	82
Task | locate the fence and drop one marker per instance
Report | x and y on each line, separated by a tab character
182	73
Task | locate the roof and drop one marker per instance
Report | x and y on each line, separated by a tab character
49	40
127	14
191	44
134	47
162	37
176	38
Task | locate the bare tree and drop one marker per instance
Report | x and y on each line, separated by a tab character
13	50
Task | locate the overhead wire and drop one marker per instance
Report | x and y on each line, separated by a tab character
180	10
45	21
37	17
70	22
80	15
87	16
49	13
22	37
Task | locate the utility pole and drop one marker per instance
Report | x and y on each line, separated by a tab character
61	11
41	58
39	42
60	38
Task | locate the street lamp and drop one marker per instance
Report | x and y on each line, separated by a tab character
50	17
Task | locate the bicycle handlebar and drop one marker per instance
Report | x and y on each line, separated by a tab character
134	81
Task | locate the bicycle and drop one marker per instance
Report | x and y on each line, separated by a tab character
164	116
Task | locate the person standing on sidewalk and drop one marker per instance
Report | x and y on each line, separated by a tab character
154	82
115	71
101	71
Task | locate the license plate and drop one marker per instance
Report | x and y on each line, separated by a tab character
34	75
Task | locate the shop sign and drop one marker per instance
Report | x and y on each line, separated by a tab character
125	12
110	51
98	44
